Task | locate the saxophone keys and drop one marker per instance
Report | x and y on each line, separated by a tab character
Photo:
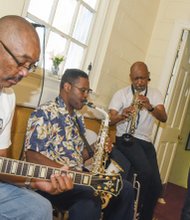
114	178
107	178
112	190
99	187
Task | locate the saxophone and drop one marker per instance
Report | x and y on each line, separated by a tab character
128	137
100	158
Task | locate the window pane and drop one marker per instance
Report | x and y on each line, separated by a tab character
36	8
56	46
72	20
64	14
74	56
92	3
40	31
82	25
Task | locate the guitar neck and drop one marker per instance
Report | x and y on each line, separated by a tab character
25	169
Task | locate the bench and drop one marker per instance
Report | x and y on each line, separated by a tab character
19	126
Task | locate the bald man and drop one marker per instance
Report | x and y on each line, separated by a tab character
134	109
19	51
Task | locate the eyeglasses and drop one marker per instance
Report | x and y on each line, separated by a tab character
82	90
31	68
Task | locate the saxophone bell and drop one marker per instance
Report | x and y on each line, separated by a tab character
113	168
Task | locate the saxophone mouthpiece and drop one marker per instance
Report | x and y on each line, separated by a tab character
89	104
84	102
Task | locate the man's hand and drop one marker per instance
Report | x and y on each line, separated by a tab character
127	112
108	145
158	111
144	102
58	183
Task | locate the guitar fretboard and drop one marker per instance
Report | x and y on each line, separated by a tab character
111	184
26	169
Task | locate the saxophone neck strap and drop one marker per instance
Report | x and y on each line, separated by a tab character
86	144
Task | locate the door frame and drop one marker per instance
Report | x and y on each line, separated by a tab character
179	26
170	61
166	81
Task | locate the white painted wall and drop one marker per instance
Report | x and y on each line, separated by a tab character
128	42
14	7
172	16
143	30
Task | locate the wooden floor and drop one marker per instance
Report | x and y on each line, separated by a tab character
174	197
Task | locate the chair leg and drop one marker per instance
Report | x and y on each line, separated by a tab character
60	215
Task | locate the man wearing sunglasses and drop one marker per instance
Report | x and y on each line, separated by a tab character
19	51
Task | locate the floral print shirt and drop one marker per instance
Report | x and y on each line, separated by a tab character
53	132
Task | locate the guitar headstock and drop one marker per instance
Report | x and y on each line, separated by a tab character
111	183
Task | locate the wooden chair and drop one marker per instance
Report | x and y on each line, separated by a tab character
18	131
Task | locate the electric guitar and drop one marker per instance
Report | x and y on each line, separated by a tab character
111	184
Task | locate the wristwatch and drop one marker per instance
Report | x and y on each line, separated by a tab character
151	109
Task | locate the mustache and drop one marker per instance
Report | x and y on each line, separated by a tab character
85	101
16	78
140	89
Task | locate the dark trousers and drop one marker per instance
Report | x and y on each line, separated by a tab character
185	215
142	156
84	205
122	161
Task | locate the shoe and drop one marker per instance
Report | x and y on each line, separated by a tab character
161	201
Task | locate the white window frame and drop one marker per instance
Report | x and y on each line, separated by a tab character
98	40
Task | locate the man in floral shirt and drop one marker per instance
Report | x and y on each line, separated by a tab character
53	139
53	133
